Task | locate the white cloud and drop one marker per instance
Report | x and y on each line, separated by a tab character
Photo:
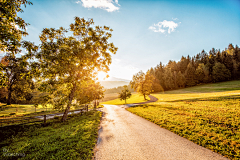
160	26
103	4
174	19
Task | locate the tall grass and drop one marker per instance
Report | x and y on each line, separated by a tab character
209	118
73	139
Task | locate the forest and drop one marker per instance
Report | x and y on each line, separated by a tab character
211	67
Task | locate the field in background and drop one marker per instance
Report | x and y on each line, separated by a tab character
17	110
109	97
208	115
29	109
73	139
135	98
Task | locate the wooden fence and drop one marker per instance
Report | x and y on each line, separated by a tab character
39	118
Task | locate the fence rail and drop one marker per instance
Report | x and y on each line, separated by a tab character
39	118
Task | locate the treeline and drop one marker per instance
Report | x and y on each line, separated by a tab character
118	89
211	67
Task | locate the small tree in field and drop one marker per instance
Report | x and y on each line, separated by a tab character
142	83
125	94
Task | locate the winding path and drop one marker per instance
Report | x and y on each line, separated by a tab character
126	136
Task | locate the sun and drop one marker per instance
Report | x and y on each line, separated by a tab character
101	75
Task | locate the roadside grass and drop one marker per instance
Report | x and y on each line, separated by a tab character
73	139
19	110
209	118
135	98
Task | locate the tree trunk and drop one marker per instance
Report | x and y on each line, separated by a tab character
9	95
144	96
69	103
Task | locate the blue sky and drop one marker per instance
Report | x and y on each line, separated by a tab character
146	32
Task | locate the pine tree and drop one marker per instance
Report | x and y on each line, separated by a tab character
181	80
190	75
168	79
220	73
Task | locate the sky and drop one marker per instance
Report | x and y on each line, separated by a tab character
145	32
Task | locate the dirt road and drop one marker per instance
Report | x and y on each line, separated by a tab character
125	136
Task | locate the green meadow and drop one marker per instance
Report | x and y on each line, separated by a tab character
208	115
72	139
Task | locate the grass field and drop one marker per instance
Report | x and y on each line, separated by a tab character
135	98
18	110
109	97
208	115
73	139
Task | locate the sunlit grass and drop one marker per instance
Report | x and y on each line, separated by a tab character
18	109
209	118
73	139
135	98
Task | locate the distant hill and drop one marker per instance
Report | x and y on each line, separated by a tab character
114	82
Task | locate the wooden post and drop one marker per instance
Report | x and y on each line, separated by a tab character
44	121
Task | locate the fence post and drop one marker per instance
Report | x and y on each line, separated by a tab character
44	121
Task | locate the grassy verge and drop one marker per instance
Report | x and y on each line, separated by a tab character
135	98
208	118
73	139
18	110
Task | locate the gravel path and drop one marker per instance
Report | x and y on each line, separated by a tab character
126	136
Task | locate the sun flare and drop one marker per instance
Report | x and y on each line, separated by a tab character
102	76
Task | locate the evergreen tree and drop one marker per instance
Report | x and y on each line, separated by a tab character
190	75
183	64
159	73
200	73
168	79
220	73
181	80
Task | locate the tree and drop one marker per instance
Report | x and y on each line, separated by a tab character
200	74
12	27
15	76
159	72
142	83
125	94
168	79
190	75
67	63
180	80
96	92
220	72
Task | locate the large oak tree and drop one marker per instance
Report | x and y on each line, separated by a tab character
68	58
12	27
